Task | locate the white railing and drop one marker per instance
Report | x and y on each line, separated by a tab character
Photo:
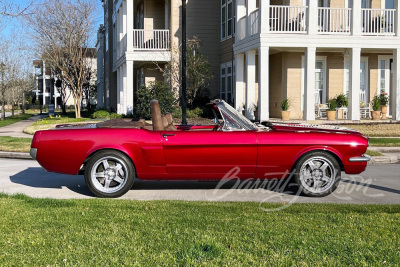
151	40
241	31
288	19
254	22
334	20
378	21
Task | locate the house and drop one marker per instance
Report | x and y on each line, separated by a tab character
262	51
45	81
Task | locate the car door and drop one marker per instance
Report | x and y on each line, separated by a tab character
210	154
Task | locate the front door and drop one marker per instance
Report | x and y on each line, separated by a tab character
209	154
320	84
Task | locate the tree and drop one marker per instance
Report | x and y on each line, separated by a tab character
197	69
61	31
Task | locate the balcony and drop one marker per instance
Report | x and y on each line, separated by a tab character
330	21
145	40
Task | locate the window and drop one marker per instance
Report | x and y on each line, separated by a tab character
226	92
227	19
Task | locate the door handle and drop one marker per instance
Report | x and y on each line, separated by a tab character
166	135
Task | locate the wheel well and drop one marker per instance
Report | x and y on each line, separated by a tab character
82	170
323	151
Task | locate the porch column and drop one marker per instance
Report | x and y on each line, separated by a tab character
354	88
356	18
119	85
44	83
263	83
264	16
129	25
395	97
397	18
239	97
309	87
129	87
250	83
312	17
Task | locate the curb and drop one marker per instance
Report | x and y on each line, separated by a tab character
388	159
385	149
15	155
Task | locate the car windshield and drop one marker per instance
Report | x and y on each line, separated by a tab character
233	120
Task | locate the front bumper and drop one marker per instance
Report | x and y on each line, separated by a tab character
33	153
363	158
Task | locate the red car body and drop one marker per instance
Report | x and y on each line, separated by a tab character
198	152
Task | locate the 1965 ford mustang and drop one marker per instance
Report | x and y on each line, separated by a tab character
113	153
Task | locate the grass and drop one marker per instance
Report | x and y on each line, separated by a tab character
98	232
15	144
389	142
377	130
13	119
373	153
51	122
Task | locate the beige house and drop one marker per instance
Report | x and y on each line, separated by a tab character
260	51
312	51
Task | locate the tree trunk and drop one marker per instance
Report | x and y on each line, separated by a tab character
63	108
12	109
23	103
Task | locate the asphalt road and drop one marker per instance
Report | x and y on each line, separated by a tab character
379	184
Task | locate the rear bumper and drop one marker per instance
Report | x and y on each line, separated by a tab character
33	153
363	158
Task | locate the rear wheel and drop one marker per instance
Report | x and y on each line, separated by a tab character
317	174
109	174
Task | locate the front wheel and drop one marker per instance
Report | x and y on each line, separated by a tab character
317	174
109	174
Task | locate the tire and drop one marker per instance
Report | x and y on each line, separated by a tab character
109	174
317	174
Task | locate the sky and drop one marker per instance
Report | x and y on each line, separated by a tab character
14	28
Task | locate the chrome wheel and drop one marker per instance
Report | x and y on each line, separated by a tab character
319	174
109	174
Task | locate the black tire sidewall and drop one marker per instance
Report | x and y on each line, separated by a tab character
130	177
328	157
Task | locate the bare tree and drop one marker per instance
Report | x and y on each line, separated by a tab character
61	31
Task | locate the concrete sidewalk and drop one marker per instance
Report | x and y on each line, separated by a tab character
16	129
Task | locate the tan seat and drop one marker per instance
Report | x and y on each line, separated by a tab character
156	116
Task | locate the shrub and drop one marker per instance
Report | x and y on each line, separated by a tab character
114	116
156	90
190	113
100	114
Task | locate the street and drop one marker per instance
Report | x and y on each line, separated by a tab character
379	184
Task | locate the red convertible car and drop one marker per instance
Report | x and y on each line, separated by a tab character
113	153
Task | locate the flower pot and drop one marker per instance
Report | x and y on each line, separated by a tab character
285	115
256	115
384	111
376	115
331	115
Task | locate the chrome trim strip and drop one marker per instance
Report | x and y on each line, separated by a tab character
360	159
33	153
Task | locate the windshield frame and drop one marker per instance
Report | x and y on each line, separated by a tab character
233	120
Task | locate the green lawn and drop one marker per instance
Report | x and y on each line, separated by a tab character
384	142
15	144
98	232
14	119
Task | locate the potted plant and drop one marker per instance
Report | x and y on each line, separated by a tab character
384	99
342	101
285	113
331	112
376	104
255	110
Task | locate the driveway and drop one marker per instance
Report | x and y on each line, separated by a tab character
380	184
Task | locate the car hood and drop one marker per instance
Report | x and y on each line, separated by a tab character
313	128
